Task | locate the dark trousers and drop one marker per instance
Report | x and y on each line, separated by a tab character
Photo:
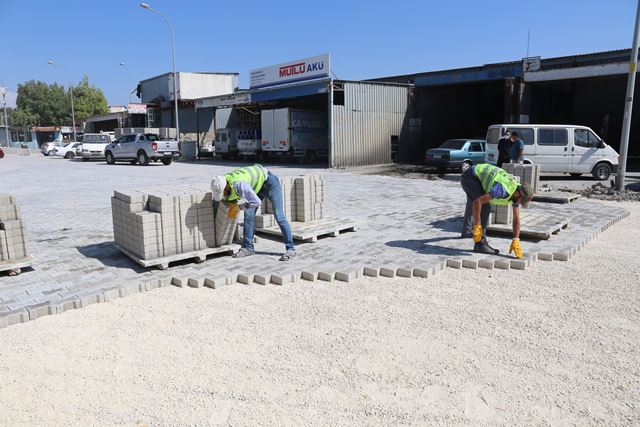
473	188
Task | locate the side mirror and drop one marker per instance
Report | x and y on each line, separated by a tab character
601	144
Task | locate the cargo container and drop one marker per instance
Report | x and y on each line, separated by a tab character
295	133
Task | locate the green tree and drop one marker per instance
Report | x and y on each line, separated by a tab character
48	103
88	100
23	118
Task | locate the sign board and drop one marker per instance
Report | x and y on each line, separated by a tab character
224	101
530	64
294	71
137	108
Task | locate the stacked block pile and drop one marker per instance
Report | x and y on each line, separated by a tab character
156	224
526	173
13	236
501	214
303	199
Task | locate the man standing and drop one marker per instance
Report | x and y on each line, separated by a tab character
517	148
504	148
486	184
246	188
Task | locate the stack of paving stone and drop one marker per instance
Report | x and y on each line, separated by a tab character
526	173
160	223
13	235
303	199
502	214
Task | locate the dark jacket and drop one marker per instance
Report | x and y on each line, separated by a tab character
504	147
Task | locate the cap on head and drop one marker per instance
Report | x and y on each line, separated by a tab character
526	192
218	184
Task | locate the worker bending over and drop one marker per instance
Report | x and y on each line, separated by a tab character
245	188
487	184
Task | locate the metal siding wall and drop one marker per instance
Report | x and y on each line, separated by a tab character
364	125
156	87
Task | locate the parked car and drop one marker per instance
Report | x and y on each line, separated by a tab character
68	150
93	145
48	147
571	149
142	148
1	153
456	154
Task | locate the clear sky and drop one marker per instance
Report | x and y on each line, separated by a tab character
366	39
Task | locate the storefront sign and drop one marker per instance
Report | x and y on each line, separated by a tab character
303	69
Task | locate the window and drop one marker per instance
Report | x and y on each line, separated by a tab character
585	138
475	147
493	135
152	137
454	144
556	137
526	134
142	138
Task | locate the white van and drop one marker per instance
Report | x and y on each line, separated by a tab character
93	145
571	149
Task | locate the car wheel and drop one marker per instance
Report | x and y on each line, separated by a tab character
167	161
602	171
143	159
69	155
465	165
109	158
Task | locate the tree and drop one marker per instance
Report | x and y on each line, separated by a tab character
46	102
23	118
42	104
88	100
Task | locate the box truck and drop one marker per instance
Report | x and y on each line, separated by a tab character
295	133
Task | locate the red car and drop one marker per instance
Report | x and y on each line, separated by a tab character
1	153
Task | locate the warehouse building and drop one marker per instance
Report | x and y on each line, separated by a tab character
366	122
579	89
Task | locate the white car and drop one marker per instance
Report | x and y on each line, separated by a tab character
68	151
48	147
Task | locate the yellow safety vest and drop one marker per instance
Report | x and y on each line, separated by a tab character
489	175
252	175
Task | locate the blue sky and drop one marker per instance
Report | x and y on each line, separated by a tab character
365	38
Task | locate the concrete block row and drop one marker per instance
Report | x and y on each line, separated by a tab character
13	233
159	223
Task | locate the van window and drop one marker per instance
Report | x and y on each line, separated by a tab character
552	137
585	138
493	136
526	134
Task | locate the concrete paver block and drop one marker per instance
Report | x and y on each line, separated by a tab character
502	264
486	263
371	271
454	263
470	263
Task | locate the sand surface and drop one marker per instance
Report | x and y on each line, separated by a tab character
557	344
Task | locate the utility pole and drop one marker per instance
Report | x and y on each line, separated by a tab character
628	105
3	91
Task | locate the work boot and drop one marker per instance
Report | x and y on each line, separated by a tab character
244	252
288	256
484	248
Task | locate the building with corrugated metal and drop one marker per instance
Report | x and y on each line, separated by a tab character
368	123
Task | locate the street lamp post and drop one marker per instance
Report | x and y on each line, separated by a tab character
3	91
173	54
124	64
628	105
73	112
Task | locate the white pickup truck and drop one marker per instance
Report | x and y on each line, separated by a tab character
142	148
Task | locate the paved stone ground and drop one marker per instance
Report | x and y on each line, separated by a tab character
408	227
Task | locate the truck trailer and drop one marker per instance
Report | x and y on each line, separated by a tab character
293	133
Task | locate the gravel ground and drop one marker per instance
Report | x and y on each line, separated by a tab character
556	344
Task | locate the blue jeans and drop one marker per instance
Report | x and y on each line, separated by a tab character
272	191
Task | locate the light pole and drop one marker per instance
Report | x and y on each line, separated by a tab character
73	112
3	91
124	64
628	105
173	54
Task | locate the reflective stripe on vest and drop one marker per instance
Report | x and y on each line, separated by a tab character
252	175
489	175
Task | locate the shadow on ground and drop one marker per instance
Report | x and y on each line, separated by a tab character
109	255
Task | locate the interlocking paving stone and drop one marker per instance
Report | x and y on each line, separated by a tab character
390	236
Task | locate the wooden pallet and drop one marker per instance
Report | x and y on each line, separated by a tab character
555	197
15	265
310	231
163	262
539	226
